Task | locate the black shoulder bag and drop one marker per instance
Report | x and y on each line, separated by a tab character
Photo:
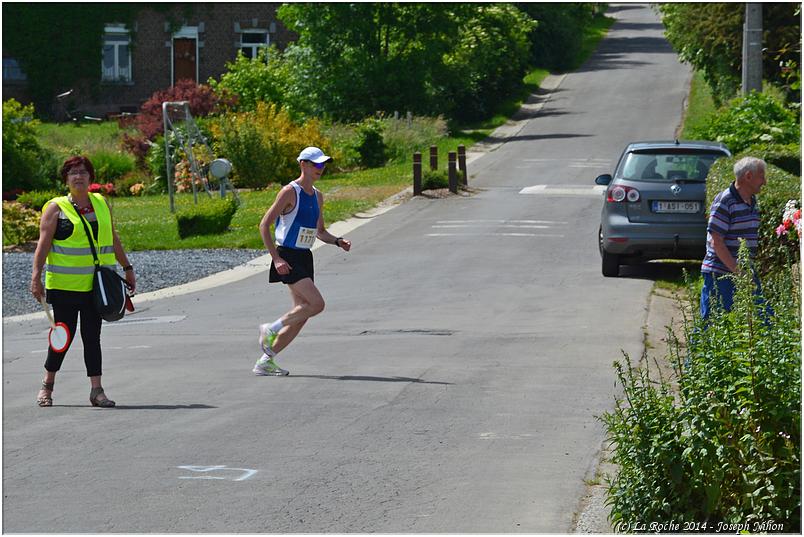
108	288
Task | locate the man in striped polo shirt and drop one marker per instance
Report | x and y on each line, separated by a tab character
733	216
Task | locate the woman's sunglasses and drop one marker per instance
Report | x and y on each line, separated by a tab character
318	165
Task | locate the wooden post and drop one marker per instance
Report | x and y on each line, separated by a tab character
453	175
433	157
417	174
462	164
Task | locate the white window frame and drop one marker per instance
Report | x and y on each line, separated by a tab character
186	32
117	73
255	47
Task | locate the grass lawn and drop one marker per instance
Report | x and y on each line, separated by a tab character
700	106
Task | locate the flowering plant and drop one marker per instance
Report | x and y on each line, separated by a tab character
107	189
791	219
184	177
136	189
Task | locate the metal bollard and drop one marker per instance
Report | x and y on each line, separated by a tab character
453	175
417	174
462	164
433	157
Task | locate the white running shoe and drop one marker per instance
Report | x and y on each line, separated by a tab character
266	367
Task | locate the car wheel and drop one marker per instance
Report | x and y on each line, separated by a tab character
610	263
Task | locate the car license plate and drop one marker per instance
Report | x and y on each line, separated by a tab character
676	206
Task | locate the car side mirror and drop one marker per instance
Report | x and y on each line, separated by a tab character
604	179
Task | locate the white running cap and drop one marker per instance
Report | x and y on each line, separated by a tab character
313	154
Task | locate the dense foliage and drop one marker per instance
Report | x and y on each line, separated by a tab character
150	123
352	60
719	441
709	36
555	41
263	144
20	223
26	164
756	118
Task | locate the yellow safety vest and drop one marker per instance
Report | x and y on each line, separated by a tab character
70	265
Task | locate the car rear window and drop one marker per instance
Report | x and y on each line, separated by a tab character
665	166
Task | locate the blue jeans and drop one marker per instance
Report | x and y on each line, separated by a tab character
720	287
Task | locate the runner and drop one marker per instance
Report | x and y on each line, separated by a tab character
299	219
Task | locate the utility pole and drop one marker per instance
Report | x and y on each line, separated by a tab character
752	48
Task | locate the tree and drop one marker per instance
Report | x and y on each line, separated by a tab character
709	37
353	60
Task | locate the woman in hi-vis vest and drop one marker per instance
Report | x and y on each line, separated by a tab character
70	268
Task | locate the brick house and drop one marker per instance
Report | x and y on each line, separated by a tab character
153	53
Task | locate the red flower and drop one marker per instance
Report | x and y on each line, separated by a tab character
95	187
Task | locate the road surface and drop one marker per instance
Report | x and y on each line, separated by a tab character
451	385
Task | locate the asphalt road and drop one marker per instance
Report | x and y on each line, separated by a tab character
451	385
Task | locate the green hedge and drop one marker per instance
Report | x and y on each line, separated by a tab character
720	441
206	218
772	252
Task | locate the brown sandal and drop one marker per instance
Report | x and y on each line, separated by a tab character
105	402
46	400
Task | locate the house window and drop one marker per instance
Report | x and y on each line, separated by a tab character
251	41
116	54
12	72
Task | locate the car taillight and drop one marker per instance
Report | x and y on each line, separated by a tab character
619	194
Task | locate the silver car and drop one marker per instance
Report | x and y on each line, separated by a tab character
655	205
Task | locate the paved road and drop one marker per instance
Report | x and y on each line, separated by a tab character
451	385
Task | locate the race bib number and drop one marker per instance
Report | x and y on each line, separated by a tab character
306	238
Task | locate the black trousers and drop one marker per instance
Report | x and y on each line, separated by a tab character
67	305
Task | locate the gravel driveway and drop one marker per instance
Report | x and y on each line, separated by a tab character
155	269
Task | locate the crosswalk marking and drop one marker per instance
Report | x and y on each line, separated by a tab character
565	190
489	228
494	235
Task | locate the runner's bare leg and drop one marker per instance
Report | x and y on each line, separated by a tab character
307	302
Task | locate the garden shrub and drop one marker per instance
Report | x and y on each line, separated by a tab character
206	218
403	137
263	144
203	101
779	189
26	164
20	224
111	165
725	446
754	119
435	179
36	199
370	144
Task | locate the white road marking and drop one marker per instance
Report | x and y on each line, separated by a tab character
529	226
247	473
564	190
500	222
492	235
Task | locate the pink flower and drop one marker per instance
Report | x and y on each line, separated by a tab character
781	230
95	187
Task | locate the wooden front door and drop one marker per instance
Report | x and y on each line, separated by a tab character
184	59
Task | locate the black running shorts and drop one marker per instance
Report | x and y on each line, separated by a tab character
301	265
